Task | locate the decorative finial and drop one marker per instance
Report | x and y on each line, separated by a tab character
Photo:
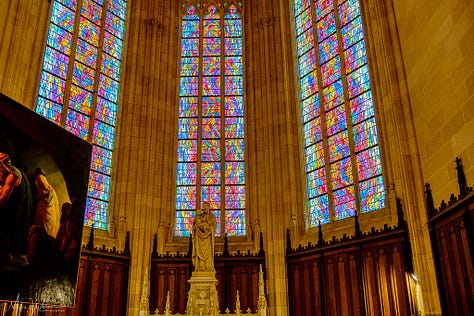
90	243
320	235
190	246
429	200
401	219
262	300
261	252
168	304
463	188
357	231
126	251
154	254
226	253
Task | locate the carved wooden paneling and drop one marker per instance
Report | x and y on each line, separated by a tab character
304	277
452	240
356	276
233	272
172	276
102	284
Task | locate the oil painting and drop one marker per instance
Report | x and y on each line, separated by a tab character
44	172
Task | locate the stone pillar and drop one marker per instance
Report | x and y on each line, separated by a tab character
144	156
23	26
274	160
202	297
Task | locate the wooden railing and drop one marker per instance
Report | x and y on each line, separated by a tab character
363	274
452	238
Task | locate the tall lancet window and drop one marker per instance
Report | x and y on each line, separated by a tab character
211	164
79	85
343	163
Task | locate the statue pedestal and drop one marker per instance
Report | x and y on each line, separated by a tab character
202	297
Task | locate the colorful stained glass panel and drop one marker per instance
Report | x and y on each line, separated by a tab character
235	197
212	47
211	85
211	106
328	49
233	46
358	81
186	173
188	106
59	39
365	135
234	149
211	66
184	223
338	146
314	156
211	150
101	160
317	183
369	163
233	28
187	150
210	173
234	106
352	32
108	88
341	173
235	222
233	66
311	107
86	53
80	100
234	127
103	135
312	132
212	195
187	128
52	87
234	172
190	47
83	76
186	198
91	11
106	111
326	26
319	210
372	194
233	85
62	16
348	11
114	25
362	107
211	127
336	120
344	203
188	86
189	66
49	109
331	71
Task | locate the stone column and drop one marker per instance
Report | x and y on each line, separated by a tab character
144	155
23	29
274	164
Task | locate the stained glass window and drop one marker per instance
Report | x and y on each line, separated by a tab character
343	163
211	148
79	85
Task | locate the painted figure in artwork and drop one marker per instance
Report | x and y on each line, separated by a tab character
48	213
16	211
204	230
